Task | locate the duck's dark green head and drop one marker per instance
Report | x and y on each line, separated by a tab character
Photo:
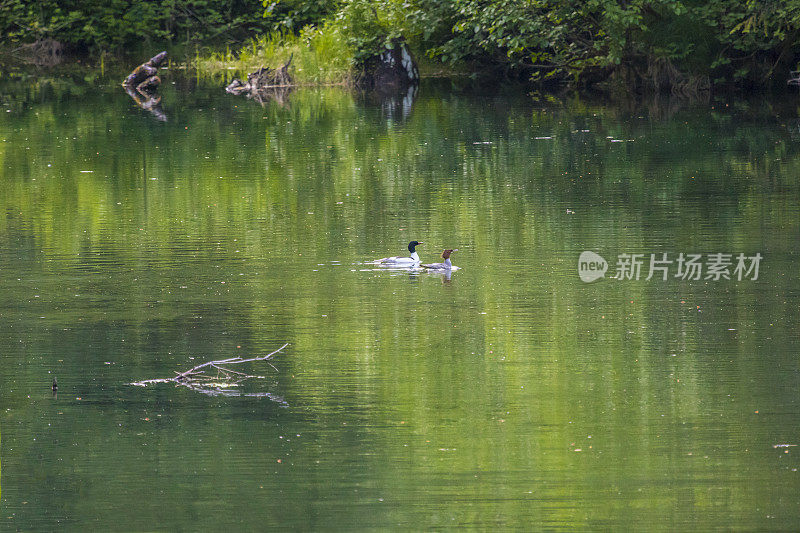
412	245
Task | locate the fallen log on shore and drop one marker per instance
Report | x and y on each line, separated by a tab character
264	84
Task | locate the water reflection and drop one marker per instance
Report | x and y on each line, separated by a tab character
396	107
150	101
445	275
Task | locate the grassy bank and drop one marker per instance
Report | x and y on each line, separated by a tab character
320	56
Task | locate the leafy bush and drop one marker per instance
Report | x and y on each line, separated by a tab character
723	39
121	24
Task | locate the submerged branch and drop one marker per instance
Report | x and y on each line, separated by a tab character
223	382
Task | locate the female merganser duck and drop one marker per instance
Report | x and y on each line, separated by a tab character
412	260
443	266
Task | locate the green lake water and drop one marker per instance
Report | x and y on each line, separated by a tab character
509	394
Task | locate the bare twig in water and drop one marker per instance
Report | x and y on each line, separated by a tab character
225	380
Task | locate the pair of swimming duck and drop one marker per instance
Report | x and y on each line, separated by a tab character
414	261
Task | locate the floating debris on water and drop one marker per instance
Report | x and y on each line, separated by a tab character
224	383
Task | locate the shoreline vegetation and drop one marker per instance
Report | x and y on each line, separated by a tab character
674	46
318	58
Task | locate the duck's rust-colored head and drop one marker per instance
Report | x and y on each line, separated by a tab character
446	253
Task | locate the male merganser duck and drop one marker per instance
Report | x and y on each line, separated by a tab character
443	266
411	260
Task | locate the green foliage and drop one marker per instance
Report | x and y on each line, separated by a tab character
120	24
292	15
369	26
549	38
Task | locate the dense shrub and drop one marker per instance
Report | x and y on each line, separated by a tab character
114	25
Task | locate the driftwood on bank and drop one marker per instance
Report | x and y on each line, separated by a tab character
265	84
142	84
223	382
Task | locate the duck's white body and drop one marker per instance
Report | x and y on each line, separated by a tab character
413	259
410	260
